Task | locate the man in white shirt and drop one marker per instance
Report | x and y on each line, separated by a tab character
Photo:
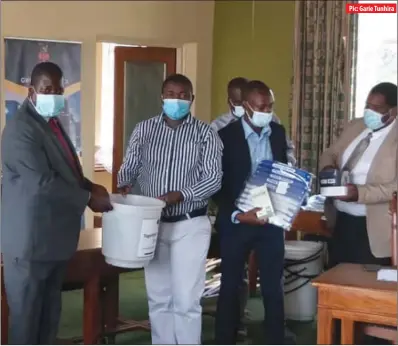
234	101
367	152
177	158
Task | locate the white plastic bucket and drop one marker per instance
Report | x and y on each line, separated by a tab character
130	230
303	261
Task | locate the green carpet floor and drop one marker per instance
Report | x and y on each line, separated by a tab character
133	304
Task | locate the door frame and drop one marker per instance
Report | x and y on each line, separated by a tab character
123	54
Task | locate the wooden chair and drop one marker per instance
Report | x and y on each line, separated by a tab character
382	332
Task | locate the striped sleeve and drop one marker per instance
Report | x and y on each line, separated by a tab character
211	170
130	168
216	124
222	121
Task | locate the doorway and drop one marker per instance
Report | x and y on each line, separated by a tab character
139	74
131	80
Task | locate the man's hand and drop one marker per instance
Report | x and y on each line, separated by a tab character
352	194
172	197
250	218
124	190
99	200
99	189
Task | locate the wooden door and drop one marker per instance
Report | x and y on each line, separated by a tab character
139	73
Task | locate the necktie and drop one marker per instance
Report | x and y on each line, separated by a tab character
53	122
357	153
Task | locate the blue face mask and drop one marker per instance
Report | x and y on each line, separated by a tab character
373	120
176	109
49	105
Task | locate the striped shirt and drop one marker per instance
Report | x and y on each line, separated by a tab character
162	159
225	119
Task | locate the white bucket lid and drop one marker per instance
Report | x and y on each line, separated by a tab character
302	248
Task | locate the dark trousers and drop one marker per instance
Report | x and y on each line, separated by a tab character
236	243
34	299
215	248
350	242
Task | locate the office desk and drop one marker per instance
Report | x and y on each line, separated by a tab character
352	295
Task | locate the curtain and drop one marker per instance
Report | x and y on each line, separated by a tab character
323	77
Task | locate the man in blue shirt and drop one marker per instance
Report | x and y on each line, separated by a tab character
237	111
251	139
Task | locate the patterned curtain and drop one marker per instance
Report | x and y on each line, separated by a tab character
324	73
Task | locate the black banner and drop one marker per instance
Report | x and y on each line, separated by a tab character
21	56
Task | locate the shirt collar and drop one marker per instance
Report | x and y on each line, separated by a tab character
189	119
384	131
248	130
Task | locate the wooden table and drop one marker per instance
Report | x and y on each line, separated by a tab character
100	282
351	294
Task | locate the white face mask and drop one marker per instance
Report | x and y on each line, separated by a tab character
260	119
238	111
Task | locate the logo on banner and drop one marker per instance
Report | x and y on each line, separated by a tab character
43	53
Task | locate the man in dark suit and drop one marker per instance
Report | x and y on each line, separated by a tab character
247	142
44	195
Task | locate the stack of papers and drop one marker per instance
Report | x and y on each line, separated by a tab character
387	274
315	203
279	190
212	285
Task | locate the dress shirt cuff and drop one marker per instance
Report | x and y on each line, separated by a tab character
123	184
234	215
187	194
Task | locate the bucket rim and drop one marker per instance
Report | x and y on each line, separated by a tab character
159	203
302	246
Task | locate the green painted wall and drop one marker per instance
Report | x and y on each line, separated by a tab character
265	55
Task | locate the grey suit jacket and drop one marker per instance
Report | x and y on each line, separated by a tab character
43	198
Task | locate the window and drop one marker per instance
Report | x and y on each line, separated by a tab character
377	53
103	156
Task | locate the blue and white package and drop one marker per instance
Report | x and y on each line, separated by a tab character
287	187
302	174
